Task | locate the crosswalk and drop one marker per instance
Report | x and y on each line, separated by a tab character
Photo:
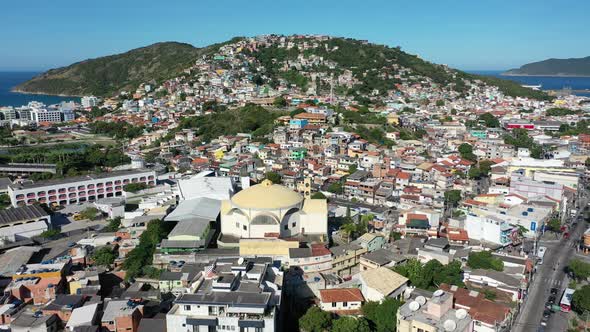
551	282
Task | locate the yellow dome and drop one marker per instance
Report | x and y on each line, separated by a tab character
266	196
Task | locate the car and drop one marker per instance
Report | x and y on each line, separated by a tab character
546	313
554	291
544	321
548	305
71	244
551	299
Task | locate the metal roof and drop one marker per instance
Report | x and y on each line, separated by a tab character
23	213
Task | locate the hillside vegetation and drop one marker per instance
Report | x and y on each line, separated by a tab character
106	75
555	67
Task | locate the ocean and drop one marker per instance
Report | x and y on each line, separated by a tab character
8	80
547	82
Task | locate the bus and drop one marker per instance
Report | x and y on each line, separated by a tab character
566	300
541	254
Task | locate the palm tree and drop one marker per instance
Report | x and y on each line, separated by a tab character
349	229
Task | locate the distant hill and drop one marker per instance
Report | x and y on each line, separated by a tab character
373	69
107	75
554	67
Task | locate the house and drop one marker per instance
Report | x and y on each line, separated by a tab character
27	321
122	315
495	279
371	241
23	222
433	315
82	316
345	257
380	283
488	316
63	306
341	300
380	257
316	258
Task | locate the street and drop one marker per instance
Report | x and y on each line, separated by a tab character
549	275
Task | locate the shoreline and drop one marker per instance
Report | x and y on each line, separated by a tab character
15	90
535	75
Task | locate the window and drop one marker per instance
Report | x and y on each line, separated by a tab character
245	228
345	304
237	225
187	307
333	304
293	225
286	227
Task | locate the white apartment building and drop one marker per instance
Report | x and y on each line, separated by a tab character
78	189
45	115
89	101
236	295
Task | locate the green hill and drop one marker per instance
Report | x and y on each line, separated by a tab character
375	69
107	75
555	67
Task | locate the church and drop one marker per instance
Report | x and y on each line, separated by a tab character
268	210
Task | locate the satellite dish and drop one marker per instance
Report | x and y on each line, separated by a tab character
461	313
449	325
421	300
438	293
407	293
241	260
414	305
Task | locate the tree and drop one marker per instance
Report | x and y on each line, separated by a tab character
315	320
113	224
554	224
336	188
430	275
135	187
50	233
349	229
279	102
580	269
440	103
484	260
581	299
466	152
273	177
142	255
352	168
4	201
89	213
490	120
587	163
474	173
296	111
485	167
453	197
318	195
382	315
350	324
104	256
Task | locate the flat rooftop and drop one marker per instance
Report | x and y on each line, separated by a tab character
87	177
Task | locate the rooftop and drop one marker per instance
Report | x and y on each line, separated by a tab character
23	213
80	178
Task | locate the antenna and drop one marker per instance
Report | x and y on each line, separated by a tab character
421	300
438	292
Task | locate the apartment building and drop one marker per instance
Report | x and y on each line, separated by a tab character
236	295
78	189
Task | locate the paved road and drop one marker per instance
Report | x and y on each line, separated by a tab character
550	274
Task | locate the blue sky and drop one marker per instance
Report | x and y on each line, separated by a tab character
474	34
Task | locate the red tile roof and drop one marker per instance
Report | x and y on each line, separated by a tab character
341	295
